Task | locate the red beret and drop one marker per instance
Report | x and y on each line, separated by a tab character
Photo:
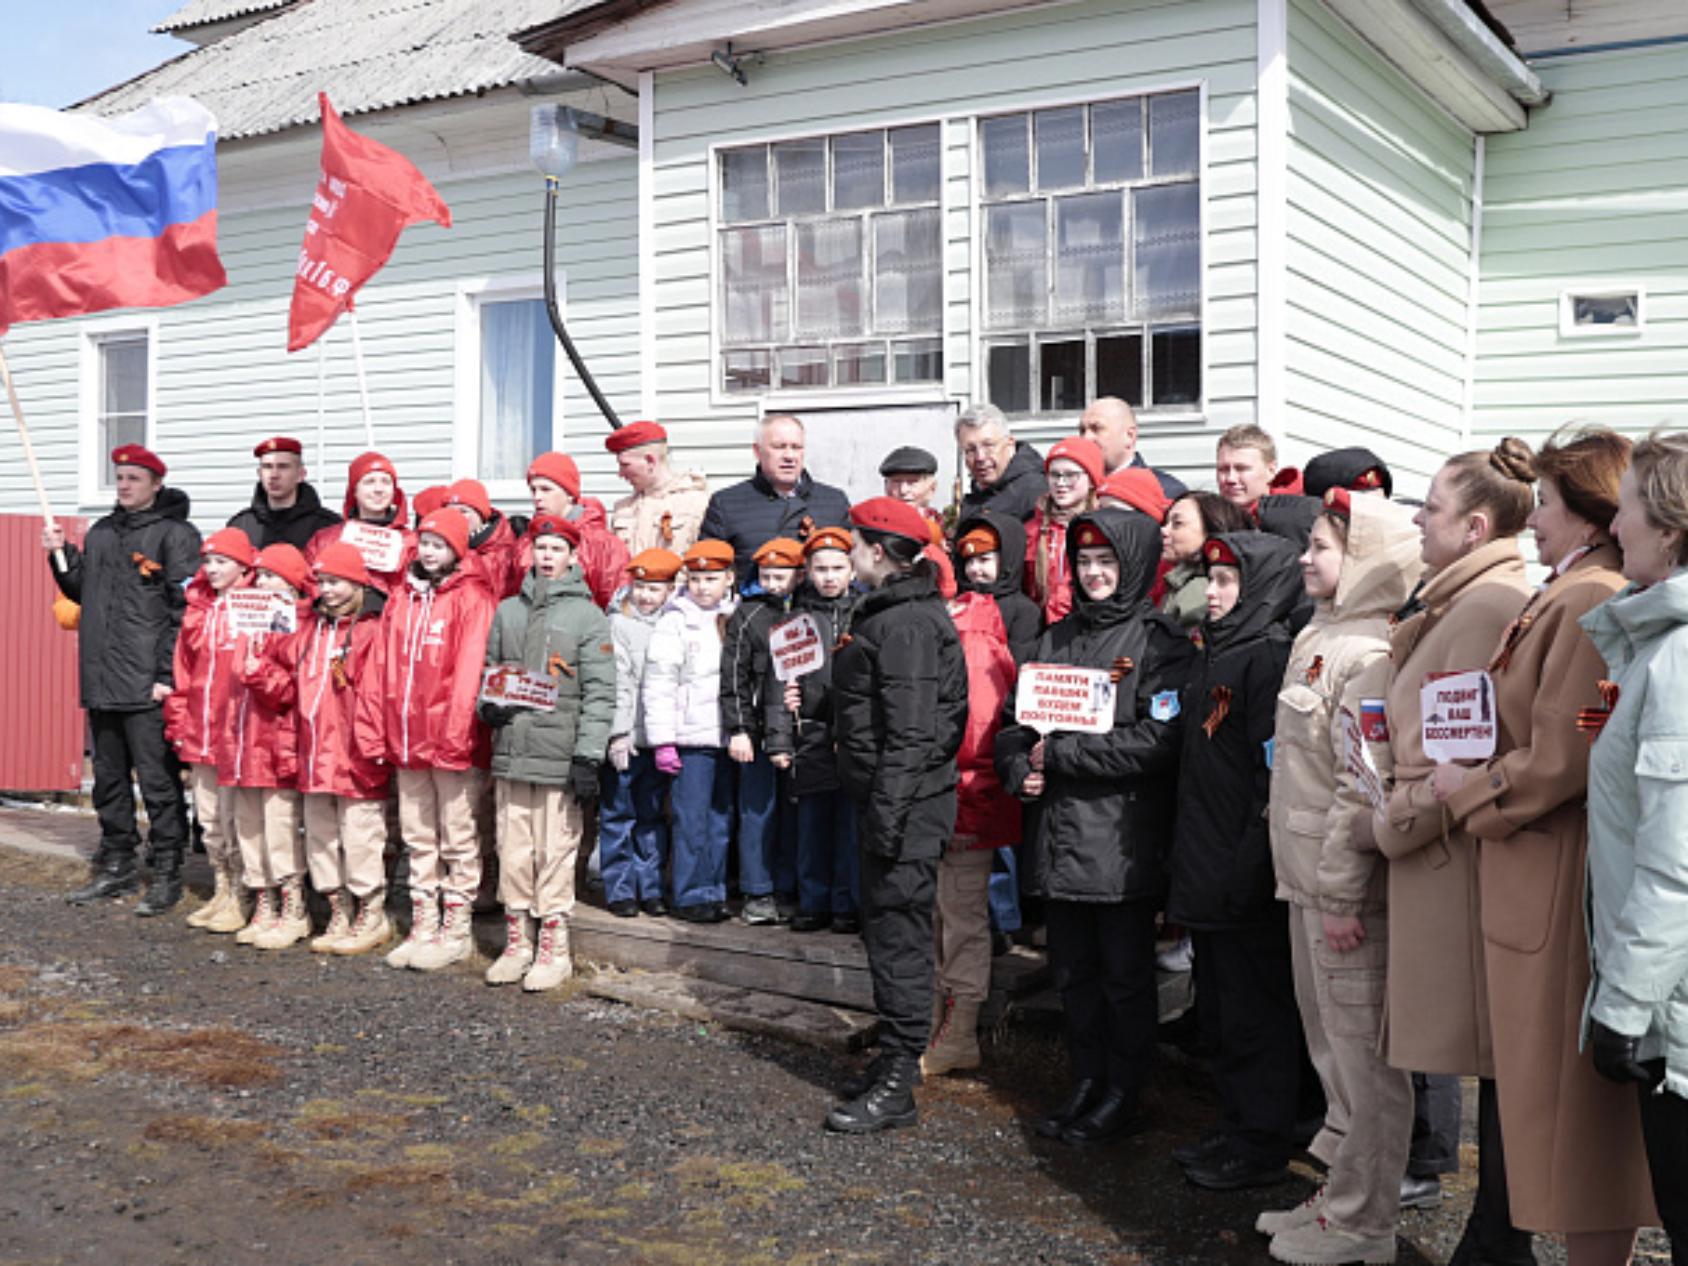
559	468
1088	536
554	525
344	561
471	493
138	455
1339	502
782	551
230	543
1368	479
1139	489
450	526
635	435
279	444
709	556
1082	452
1217	551
893	517
288	563
654	564
828	538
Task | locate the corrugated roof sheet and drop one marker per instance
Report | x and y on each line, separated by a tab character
205	12
367	54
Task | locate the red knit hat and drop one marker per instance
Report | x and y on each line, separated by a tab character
635	435
344	561
138	455
450	526
372	464
471	493
560	469
1139	489
288	563
230	542
1083	453
888	515
554	525
430	499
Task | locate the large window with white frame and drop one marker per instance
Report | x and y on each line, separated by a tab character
509	389
831	262
1090	217
118	398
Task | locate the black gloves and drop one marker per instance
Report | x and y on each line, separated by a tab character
496	715
1615	1057
583	778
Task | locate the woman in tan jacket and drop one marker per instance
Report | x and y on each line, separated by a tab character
1576	1163
1436	1010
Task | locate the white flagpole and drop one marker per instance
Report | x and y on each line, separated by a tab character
321	407
29	453
363	385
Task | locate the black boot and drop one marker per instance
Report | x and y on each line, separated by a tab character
1083	1096
1115	1114
888	1103
858	1084
112	876
165	888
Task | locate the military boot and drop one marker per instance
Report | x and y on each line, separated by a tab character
292	923
370	929
339	923
451	941
164	889
955	1040
208	912
551	962
263	917
887	1104
231	915
424	922
512	964
111	873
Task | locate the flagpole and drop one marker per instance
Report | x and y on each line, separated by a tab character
29	453
363	385
321	408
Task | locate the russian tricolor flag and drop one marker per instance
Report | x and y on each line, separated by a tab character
102	213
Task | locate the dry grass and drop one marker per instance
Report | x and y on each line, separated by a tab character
216	1057
14	979
206	1132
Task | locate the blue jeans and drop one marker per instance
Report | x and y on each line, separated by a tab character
632	837
1005	892
828	869
767	826
702	801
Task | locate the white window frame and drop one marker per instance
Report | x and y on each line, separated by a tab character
472	293
91	459
1568	328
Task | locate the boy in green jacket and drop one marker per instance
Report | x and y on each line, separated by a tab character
545	759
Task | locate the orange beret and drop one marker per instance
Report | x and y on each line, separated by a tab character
709	556
828	538
654	564
976	541
782	551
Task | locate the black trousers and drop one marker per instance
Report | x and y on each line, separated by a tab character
1436	1113
1490	1239
1664	1127
1103	954
897	901
130	747
1245	1004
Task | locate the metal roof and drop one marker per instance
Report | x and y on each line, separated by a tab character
367	54
204	12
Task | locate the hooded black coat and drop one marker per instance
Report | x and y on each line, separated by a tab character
1222	874
747	662
751	513
1017	492
1107	804
129	577
900	709
293	526
1022	618
807	737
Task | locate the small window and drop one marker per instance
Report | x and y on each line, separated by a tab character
517	386
1603	311
124	397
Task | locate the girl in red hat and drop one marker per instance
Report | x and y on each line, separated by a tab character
377	522
1074	469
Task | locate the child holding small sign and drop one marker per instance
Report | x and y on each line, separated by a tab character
545	760
376	522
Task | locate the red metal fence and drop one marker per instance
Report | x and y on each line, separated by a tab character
41	726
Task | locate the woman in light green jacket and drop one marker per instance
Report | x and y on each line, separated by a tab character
1637	1015
1189	521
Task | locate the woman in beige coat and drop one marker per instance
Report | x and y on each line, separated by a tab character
1575	1162
1436	1010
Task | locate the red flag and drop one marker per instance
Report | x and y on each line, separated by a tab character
367	195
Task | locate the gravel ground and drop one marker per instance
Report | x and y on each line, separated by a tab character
166	1095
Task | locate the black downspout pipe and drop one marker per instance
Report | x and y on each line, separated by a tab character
557	317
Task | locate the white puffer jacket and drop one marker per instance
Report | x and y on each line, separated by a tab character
681	692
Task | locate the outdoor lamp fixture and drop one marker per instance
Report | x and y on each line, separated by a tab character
728	65
554	147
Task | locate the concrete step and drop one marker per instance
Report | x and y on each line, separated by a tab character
747	1010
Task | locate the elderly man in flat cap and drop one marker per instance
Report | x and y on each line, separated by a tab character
285	509
128	577
911	476
665	508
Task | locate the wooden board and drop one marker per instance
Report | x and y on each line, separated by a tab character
748	1010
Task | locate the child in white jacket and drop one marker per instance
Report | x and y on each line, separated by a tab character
681	694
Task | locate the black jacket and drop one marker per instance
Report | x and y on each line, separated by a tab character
1222	853
1107	804
293	526
129	577
746	664
1017	492
1022	618
1171	484
900	709
807	737
750	514
1291	516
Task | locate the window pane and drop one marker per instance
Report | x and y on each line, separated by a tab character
1177	355
800	169
116	430
1119	367
1166	240
1061	375
517	375
802	366
1116	136
1174	134
854	363
914	164
908	276
1007	155
123	374
747	370
1009	374
858	171
917	360
744	184
829	278
1016	266
1060	148
753	275
1089	258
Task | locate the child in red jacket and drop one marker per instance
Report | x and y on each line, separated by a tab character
257	756
376	520
205	666
419	717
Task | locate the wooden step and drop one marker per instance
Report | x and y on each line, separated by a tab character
748	1010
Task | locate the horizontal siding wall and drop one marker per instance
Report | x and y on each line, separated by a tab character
1379	232
1596	191
224	378
1047	53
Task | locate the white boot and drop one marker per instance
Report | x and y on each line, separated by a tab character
424	922
370	929
231	915
339	922
293	922
219	898
551	962
512	964
451	943
263	917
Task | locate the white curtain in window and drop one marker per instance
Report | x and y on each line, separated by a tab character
517	359
907	268
1016	266
829	278
1089	258
1166	237
753	273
